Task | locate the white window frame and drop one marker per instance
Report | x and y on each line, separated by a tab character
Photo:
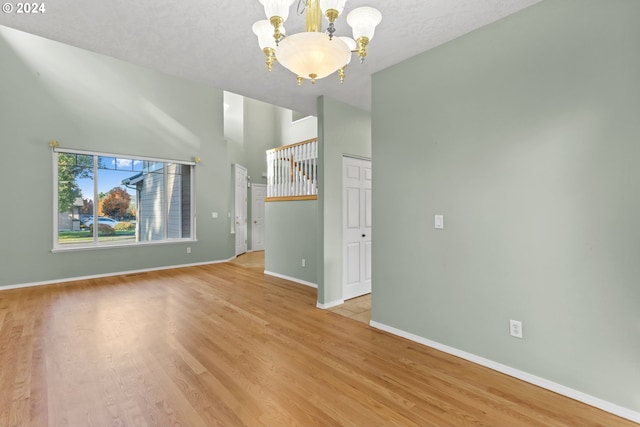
94	244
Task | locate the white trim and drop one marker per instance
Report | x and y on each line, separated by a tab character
122	156
516	373
253	221
330	304
292	279
54	190
77	248
301	119
118	273
355	156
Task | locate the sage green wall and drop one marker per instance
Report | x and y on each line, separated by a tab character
524	135
300	130
291	227
91	102
261	131
260	135
290	236
342	130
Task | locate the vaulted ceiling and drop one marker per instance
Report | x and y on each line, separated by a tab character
210	41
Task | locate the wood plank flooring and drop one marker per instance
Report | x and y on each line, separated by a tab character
225	345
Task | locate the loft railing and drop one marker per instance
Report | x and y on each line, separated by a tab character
292	171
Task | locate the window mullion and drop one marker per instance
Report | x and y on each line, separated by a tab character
96	201
166	201
192	208
56	203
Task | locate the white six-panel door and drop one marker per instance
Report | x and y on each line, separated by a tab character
356	178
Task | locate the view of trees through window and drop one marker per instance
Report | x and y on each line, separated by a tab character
105	200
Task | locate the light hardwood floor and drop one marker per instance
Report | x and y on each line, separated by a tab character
225	345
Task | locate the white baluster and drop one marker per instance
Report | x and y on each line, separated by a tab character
303	169
300	170
279	174
285	174
276	167
294	160
270	171
281	154
296	176
309	171
288	181
312	156
283	165
309	156
272	166
268	174
293	171
314	187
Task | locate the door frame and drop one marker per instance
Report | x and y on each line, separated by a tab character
345	157
253	218
239	222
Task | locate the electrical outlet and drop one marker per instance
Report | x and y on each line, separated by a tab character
188	250
304	262
515	328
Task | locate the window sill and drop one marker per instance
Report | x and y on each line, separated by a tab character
62	249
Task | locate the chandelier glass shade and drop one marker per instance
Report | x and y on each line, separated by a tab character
277	8
313	54
320	57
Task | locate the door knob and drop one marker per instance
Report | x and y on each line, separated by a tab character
364	235
255	222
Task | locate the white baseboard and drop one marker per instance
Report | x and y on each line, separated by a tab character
524	376
98	276
292	279
330	304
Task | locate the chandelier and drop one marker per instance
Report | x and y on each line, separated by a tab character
314	54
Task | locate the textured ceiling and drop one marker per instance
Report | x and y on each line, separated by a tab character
210	41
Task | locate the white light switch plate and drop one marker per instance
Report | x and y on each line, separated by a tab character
439	222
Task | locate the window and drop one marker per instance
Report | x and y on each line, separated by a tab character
108	200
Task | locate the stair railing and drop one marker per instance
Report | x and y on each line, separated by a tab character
292	171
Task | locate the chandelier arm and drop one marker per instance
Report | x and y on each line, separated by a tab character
277	22
270	53
362	47
341	74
